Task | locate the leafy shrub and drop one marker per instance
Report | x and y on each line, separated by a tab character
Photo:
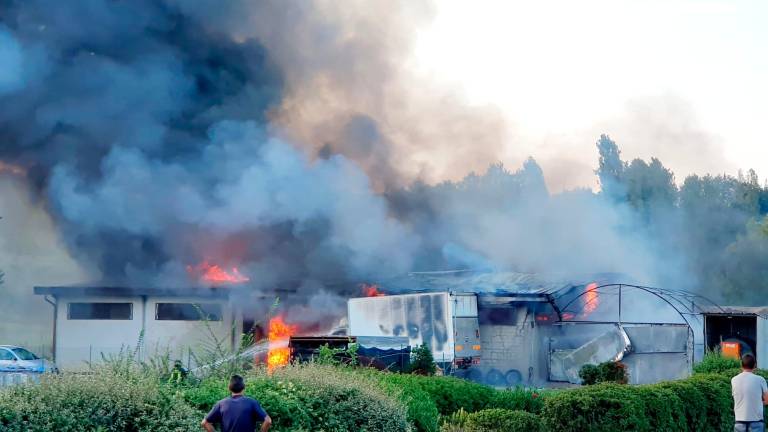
422	410
501	420
700	403
519	398
663	407
449	394
716	390
455	422
102	401
693	408
604	372
603	407
315	397
715	362
422	361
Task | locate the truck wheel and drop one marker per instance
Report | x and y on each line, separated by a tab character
513	377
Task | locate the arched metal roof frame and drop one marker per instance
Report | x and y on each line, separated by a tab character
685	303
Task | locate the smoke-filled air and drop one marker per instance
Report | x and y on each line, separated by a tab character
146	142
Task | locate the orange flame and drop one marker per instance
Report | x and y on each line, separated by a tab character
591	299
213	273
279	334
371	290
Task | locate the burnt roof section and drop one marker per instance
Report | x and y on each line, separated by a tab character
488	283
122	291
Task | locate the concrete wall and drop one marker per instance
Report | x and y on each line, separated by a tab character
509	351
178	337
81	341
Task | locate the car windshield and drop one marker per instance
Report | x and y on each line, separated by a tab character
24	354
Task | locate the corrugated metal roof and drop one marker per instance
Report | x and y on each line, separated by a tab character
492	283
736	310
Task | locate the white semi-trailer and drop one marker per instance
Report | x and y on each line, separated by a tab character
446	322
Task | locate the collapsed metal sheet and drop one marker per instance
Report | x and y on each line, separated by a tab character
609	346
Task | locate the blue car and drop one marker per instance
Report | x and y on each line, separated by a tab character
21	360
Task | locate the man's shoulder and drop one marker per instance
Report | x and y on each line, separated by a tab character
252	401
747	376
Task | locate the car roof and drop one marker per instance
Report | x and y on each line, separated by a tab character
9	346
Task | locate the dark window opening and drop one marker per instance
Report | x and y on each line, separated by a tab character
188	312
100	311
735	328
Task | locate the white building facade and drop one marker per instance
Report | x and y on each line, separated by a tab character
91	323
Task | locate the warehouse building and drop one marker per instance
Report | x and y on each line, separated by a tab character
536	331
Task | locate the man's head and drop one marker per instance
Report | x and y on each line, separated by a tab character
747	362
236	384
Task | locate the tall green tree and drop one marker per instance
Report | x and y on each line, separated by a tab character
610	170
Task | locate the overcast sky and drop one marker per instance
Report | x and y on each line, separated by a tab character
685	81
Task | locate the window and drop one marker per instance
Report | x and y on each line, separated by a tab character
23	354
6	355
188	312
100	311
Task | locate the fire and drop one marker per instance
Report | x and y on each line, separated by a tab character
591	299
279	333
213	273
371	290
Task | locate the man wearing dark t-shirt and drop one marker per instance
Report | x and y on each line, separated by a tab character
237	413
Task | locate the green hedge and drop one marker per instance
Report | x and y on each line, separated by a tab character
315	398
502	420
700	403
714	362
422	409
100	402
450	394
520	399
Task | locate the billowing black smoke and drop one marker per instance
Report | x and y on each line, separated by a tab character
282	138
148	133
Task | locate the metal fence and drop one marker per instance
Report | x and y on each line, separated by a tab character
8	379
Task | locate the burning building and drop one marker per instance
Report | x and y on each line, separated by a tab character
507	329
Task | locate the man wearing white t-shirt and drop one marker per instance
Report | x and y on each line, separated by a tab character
750	393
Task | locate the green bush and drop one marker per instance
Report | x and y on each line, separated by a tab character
519	398
101	402
422	410
714	362
604	372
598	408
501	420
422	361
315	397
716	389
693	404
455	422
700	403
450	394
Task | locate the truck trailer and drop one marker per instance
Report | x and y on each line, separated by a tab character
446	322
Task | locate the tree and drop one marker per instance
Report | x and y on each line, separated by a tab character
422	361
611	168
742	270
